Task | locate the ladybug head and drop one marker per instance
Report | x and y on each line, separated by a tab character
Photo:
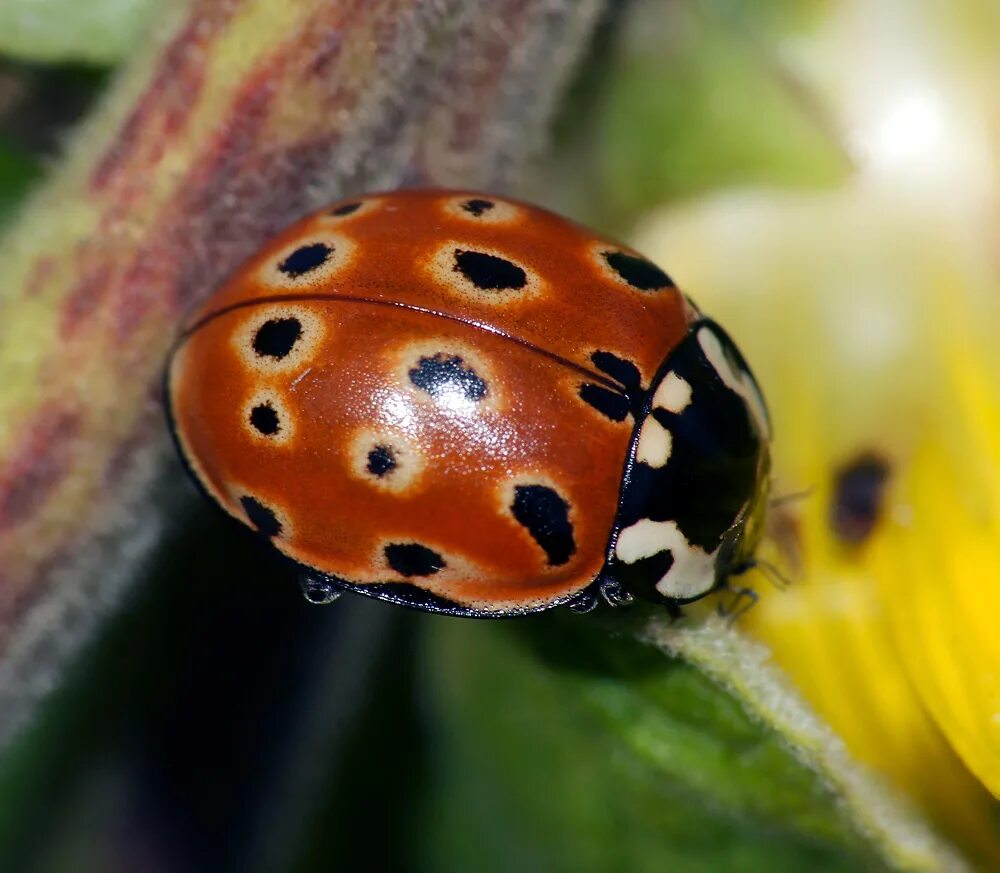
695	489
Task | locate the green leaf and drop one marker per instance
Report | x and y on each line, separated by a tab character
696	103
99	31
18	171
564	747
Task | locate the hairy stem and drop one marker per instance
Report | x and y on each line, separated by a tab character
235	117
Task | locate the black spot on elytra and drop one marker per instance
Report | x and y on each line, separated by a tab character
275	338
617	368
305	259
346	209
448	374
638	272
412	559
477	206
610	404
264	419
489	272
546	516
261	517
857	498
381	460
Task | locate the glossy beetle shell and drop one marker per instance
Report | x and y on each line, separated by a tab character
430	396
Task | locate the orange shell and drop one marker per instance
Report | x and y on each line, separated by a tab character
386	296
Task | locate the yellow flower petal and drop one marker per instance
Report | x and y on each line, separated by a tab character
832	298
939	562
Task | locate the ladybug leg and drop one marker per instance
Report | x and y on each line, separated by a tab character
768	570
612	592
743	599
584	602
317	588
673	608
608	590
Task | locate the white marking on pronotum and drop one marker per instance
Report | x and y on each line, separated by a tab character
312	330
654	444
693	570
403	477
741	382
673	394
284	418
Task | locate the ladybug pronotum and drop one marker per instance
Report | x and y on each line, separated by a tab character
466	404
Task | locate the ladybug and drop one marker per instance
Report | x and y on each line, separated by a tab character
469	405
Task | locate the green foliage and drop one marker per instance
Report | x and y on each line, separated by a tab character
98	31
546	744
561	747
768	18
696	103
18	172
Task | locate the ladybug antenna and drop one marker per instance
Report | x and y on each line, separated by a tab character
770	571
778	579
744	599
791	497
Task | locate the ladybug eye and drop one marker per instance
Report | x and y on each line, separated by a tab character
636	272
275	338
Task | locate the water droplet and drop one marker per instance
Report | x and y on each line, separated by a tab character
318	590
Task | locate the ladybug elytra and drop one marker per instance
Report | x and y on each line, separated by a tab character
466	404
